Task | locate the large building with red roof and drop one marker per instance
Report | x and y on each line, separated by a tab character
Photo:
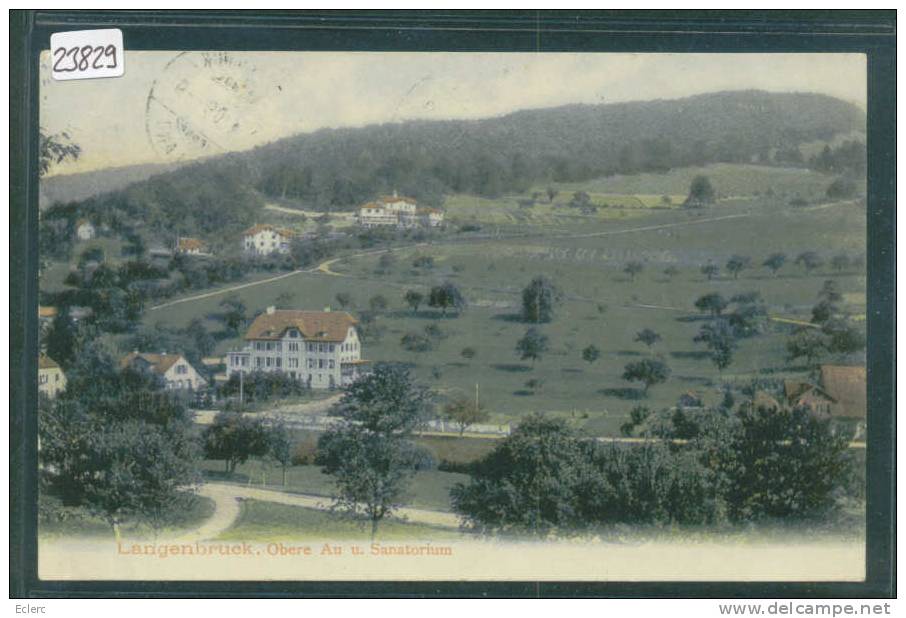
320	348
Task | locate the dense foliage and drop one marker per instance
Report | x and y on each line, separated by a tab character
694	466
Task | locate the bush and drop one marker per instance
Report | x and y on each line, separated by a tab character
305	451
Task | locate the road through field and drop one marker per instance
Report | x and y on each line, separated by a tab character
227	498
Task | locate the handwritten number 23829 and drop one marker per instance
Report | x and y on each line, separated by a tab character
84	57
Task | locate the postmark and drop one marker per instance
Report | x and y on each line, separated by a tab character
203	104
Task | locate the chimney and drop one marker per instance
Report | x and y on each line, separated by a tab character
271	309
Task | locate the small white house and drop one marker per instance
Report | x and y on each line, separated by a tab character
430	217
266	240
175	370
85	230
51	379
191	246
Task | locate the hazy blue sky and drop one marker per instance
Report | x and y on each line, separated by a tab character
256	97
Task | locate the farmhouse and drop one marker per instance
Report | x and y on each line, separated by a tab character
175	370
841	392
398	211
320	348
266	240
85	230
51	379
191	246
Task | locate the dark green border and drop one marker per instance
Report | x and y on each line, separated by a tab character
869	32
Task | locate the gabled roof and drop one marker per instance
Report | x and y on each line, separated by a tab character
371	206
46	362
314	325
47	311
390	199
847	385
190	244
159	363
265	227
793	390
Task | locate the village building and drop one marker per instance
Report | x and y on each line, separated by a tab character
191	246
51	379
840	393
266	239
430	217
46	316
398	211
320	348
85	230
173	369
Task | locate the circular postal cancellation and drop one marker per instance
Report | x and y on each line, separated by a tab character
201	104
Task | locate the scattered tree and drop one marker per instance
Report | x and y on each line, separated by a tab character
701	193
808	343
840	262
671	272
648	337
633	269
414	299
649	372
710	270
468	353
465	412
539	299
344	299
809	260
775	262
235	438
446	296
532	345
369	453
711	303
551	194
233	315
591	354
737	263
377	303
720	340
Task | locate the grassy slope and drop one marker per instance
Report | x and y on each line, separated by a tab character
589	269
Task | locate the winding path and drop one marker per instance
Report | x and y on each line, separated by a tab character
227	509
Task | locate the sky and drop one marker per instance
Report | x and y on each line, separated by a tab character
172	106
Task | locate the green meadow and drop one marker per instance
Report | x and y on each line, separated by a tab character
602	306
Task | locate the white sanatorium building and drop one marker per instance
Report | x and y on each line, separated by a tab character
320	348
398	211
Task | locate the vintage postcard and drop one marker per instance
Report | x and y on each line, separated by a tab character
452	316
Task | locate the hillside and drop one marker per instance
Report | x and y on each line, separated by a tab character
337	169
78	187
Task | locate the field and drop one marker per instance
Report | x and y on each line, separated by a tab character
430	489
267	521
603	306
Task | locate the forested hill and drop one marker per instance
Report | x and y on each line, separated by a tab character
340	168
81	186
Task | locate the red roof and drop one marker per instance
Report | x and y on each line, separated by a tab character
314	325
